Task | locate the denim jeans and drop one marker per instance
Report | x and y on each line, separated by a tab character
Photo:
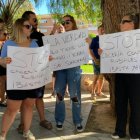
72	77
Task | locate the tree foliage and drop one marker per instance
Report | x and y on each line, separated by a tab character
8	8
87	10
27	5
11	10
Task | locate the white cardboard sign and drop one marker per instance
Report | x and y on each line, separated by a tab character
121	52
68	49
29	68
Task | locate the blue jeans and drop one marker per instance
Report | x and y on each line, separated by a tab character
72	77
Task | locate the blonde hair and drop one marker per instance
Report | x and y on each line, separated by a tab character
18	35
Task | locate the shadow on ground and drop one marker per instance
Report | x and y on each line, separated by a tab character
101	118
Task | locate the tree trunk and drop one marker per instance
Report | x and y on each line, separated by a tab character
113	11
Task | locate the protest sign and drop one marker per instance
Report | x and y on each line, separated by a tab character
68	49
29	68
121	52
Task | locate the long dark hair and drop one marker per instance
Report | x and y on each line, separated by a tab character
135	18
73	21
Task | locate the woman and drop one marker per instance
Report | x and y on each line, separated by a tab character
21	38
72	77
127	90
57	29
32	18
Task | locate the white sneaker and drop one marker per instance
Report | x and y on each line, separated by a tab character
79	128
59	126
116	136
29	135
2	138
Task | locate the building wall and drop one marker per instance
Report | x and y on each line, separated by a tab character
46	24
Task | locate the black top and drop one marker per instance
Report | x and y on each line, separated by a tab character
2	69
38	36
95	46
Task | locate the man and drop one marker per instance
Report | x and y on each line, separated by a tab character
31	17
98	78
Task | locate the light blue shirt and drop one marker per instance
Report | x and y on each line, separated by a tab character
13	43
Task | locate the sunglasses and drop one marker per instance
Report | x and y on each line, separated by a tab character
125	21
5	34
35	20
28	26
66	22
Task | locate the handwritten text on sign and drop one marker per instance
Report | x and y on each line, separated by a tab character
121	52
29	67
68	49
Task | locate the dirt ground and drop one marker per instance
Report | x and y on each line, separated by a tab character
101	118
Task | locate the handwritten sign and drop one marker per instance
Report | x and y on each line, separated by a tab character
121	52
29	68
68	49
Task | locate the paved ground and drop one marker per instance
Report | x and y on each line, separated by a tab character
69	131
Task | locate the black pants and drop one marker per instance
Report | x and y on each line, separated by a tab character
127	90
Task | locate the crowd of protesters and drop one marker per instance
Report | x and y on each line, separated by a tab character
26	34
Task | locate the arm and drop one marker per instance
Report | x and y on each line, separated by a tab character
57	28
0	61
5	61
92	50
92	55
100	51
54	29
89	41
96	61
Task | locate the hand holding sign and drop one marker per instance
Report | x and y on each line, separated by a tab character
29	68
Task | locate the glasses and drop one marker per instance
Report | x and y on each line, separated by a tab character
66	22
28	26
1	31
5	34
35	20
125	21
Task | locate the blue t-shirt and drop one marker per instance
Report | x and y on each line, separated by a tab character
2	69
95	46
9	43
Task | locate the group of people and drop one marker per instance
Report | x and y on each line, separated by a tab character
25	34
